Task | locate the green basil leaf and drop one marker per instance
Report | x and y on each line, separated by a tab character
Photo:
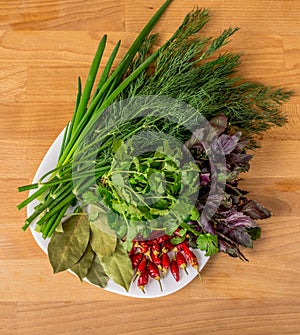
65	249
96	274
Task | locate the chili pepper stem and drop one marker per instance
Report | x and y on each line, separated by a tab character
186	271
198	272
135	277
159	282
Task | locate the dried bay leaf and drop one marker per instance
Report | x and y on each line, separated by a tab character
66	249
118	266
82	267
96	274
103	238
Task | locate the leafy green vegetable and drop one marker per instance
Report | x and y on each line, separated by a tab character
103	238
254	233
177	239
81	268
66	249
118	266
208	243
96	273
148	190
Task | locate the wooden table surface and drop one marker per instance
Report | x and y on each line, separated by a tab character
44	46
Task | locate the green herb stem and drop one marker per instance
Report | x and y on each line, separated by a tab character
51	226
27	201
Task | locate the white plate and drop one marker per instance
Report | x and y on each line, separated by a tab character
152	290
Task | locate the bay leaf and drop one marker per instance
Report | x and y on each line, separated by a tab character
96	274
118	266
103	238
82	267
65	249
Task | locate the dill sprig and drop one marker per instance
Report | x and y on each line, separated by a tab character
188	71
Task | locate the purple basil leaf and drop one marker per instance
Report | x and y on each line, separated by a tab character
234	218
238	158
235	225
206	224
242	144
228	143
230	247
197	137
219	123
239	235
255	210
204	178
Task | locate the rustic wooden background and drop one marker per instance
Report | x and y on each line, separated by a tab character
44	46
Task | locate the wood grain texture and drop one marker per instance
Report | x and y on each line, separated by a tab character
44	46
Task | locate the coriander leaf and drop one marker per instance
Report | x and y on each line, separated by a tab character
117	180
90	198
208	243
194	215
177	239
182	232
116	145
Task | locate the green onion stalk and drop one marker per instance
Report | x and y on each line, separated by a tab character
58	191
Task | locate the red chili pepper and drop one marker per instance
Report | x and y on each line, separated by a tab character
168	246
144	247
183	246
174	269
154	272
143	280
156	249
181	261
192	259
136	259
132	250
165	262
141	267
156	259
